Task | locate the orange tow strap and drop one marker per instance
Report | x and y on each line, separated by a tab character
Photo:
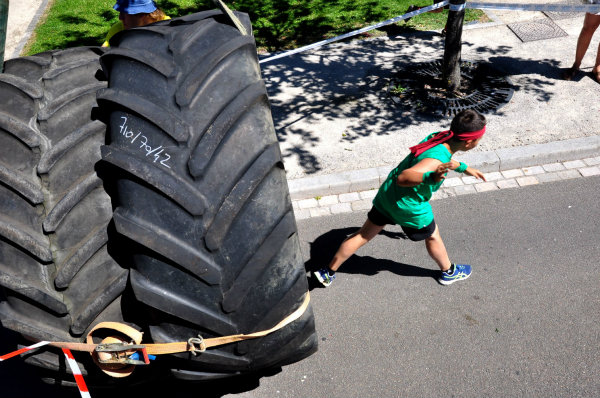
193	345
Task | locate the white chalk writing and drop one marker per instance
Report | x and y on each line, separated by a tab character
158	152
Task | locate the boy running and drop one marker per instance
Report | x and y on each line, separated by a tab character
403	198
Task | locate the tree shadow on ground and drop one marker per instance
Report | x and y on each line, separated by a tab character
351	83
340	82
323	248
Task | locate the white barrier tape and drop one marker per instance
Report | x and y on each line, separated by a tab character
83	390
592	8
22	350
357	32
457	7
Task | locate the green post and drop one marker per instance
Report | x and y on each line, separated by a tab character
3	23
454	27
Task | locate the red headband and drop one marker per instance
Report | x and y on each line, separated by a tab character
444	136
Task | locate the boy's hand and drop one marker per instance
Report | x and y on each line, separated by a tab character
475	173
440	172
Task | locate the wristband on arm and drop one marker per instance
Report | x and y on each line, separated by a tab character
462	168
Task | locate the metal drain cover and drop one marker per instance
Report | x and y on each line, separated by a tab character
555	16
540	29
420	88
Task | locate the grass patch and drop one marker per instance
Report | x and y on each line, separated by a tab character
277	24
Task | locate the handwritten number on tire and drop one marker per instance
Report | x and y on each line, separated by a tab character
159	153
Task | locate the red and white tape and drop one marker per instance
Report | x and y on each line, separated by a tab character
83	390
23	350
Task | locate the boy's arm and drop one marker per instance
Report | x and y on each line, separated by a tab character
413	176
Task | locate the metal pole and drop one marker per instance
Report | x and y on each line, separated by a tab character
452	48
3	23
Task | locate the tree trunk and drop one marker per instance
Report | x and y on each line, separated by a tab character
454	26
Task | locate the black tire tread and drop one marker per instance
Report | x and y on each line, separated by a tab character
57	280
182	222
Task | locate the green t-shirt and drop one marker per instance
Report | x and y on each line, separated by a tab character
409	206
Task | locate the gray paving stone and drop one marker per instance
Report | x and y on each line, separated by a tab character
439	194
319	211
592	161
308	203
349	197
548	177
527	180
590	171
511	183
302	214
452	182
469	180
364	204
328	200
494	176
370	194
512	173
551	167
533	170
574	164
464	189
486	186
341	208
568	174
444	193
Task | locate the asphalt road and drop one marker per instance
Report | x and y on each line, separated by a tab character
524	324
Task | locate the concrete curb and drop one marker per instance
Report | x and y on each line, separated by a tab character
489	161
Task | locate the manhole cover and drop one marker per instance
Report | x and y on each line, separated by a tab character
555	16
420	88
537	30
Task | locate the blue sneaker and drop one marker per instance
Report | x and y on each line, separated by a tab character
461	271
323	277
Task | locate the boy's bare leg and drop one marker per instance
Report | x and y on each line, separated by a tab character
354	242
437	250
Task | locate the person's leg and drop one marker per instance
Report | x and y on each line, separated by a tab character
437	250
450	272
590	24
348	247
354	242
596	70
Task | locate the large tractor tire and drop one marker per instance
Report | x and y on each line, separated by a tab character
57	275
200	195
